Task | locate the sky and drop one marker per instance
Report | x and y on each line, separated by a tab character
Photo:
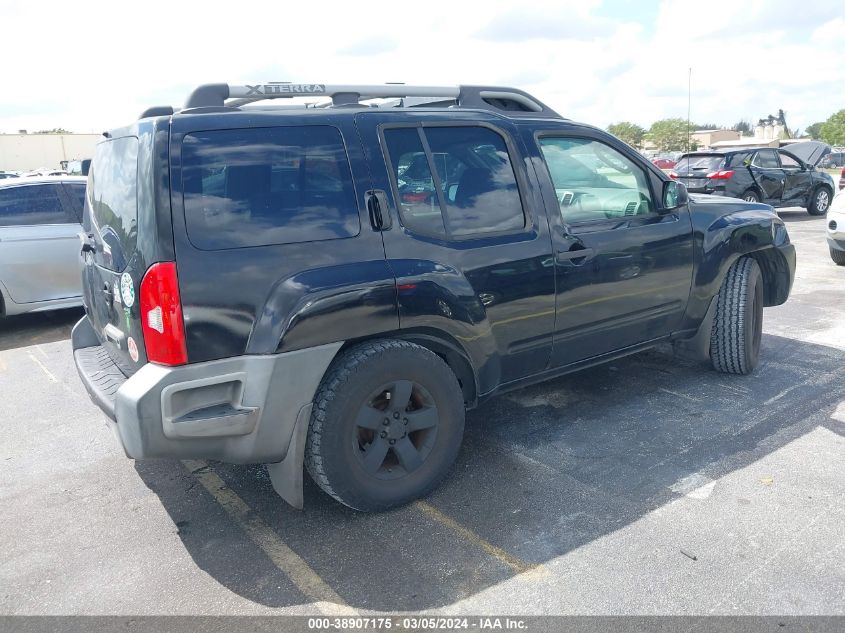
95	65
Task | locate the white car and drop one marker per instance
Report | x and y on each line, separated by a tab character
39	243
836	229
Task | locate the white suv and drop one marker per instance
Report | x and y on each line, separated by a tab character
836	229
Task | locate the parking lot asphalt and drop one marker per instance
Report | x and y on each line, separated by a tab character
650	485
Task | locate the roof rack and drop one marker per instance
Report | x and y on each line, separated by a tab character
512	100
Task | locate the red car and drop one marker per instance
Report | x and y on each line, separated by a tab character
664	163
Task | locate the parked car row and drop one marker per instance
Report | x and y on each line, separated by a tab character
833	160
36	173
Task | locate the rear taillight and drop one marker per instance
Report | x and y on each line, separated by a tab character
161	315
722	174
416	198
673	175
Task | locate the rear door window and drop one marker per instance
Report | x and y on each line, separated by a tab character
471	165
263	186
29	205
114	205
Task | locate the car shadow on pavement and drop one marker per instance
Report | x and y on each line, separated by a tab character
795	215
543	471
34	328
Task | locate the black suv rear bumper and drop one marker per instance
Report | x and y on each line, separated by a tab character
239	410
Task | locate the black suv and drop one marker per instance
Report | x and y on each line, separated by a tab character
331	287
779	177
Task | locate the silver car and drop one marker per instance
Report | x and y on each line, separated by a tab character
39	243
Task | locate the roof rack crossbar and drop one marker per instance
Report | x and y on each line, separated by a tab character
484	97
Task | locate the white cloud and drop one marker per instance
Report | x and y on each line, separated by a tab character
95	66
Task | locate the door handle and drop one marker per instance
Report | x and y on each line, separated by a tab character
378	210
88	243
576	256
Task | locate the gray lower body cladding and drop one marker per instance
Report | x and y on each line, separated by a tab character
239	410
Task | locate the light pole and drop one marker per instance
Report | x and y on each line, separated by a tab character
689	106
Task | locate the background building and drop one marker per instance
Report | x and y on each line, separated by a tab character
706	138
25	152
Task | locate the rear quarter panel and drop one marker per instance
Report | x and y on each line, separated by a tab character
267	299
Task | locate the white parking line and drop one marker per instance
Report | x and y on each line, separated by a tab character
43	368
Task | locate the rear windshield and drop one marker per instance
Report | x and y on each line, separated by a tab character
699	162
113	202
262	186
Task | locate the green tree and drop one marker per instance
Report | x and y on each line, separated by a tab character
814	130
629	132
742	126
833	130
669	135
55	130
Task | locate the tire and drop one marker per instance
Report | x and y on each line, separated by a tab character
751	196
356	450
838	257
819	201
738	322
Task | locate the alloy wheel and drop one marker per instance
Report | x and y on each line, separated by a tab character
395	429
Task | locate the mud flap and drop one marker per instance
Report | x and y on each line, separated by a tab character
698	347
287	474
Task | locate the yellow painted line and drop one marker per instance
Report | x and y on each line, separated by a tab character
289	562
43	368
509	560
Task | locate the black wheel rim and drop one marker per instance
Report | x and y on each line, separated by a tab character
395	429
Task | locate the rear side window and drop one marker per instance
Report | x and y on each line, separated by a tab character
477	186
32	205
262	186
77	196
114	205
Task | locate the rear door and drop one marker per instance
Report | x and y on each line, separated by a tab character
111	224
39	247
471	252
767	173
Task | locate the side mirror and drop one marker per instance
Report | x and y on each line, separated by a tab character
674	195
